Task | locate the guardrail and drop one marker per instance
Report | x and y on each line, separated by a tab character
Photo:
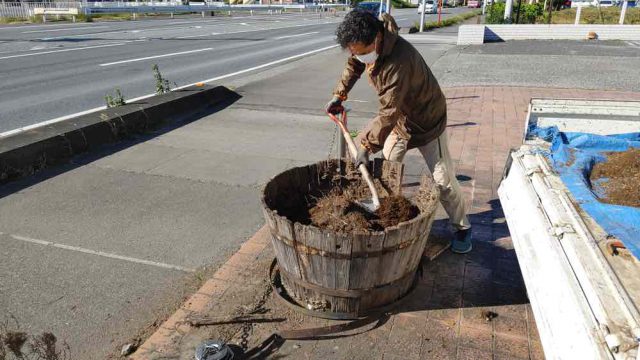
25	10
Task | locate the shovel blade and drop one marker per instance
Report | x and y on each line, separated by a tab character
368	205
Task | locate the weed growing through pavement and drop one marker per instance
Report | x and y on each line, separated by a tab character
162	84
115	100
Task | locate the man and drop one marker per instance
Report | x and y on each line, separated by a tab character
413	111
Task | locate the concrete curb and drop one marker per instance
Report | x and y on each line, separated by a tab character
163	340
30	151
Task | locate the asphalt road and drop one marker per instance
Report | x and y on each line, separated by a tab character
53	70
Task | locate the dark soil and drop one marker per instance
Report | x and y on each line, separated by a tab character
340	212
621	175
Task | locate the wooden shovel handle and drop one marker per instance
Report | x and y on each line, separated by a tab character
354	154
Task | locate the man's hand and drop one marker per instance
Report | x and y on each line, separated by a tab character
362	157
334	106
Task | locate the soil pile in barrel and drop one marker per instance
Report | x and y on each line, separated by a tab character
620	176
339	211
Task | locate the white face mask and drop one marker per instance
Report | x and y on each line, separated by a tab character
369	58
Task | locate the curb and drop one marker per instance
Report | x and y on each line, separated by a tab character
27	152
162	341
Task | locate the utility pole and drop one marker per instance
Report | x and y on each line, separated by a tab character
550	9
424	4
389	7
623	12
507	9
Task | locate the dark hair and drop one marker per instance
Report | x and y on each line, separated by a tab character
358	26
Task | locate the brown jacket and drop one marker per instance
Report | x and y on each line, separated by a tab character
411	101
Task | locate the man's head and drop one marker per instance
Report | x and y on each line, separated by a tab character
358	32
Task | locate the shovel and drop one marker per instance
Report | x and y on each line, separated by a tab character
370	205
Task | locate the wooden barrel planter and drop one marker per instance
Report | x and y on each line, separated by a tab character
329	272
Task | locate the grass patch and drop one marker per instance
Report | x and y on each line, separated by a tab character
401	4
105	17
445	22
533	14
593	15
21	20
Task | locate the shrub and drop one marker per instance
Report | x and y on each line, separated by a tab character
495	14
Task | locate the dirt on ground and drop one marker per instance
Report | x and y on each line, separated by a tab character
339	211
619	177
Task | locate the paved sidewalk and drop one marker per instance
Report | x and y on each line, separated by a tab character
445	317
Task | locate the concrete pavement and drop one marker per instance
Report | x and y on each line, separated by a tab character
610	65
446	317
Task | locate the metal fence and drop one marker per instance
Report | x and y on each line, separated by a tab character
26	9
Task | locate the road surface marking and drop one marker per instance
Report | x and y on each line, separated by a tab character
64	29
65	117
175	28
156	57
61	50
292	36
196	36
258	67
100	253
15	27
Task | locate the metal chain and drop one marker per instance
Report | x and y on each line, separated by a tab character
332	143
258	308
244	338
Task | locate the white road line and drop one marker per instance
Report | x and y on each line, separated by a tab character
65	117
259	66
197	36
101	253
156	57
61	50
64	29
17	27
177	28
296	35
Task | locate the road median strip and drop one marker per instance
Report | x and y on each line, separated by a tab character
27	152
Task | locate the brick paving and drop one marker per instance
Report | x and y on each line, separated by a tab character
445	317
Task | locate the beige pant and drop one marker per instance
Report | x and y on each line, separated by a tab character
436	154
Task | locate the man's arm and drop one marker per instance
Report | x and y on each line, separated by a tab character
352	71
393	90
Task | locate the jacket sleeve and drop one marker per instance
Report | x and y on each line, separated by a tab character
394	87
351	73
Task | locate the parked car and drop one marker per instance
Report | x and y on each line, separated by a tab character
581	3
473	3
604	3
372	7
429	7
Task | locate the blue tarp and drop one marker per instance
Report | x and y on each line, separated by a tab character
573	155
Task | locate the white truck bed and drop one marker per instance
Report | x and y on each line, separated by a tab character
584	298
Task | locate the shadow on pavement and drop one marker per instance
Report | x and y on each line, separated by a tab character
106	150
